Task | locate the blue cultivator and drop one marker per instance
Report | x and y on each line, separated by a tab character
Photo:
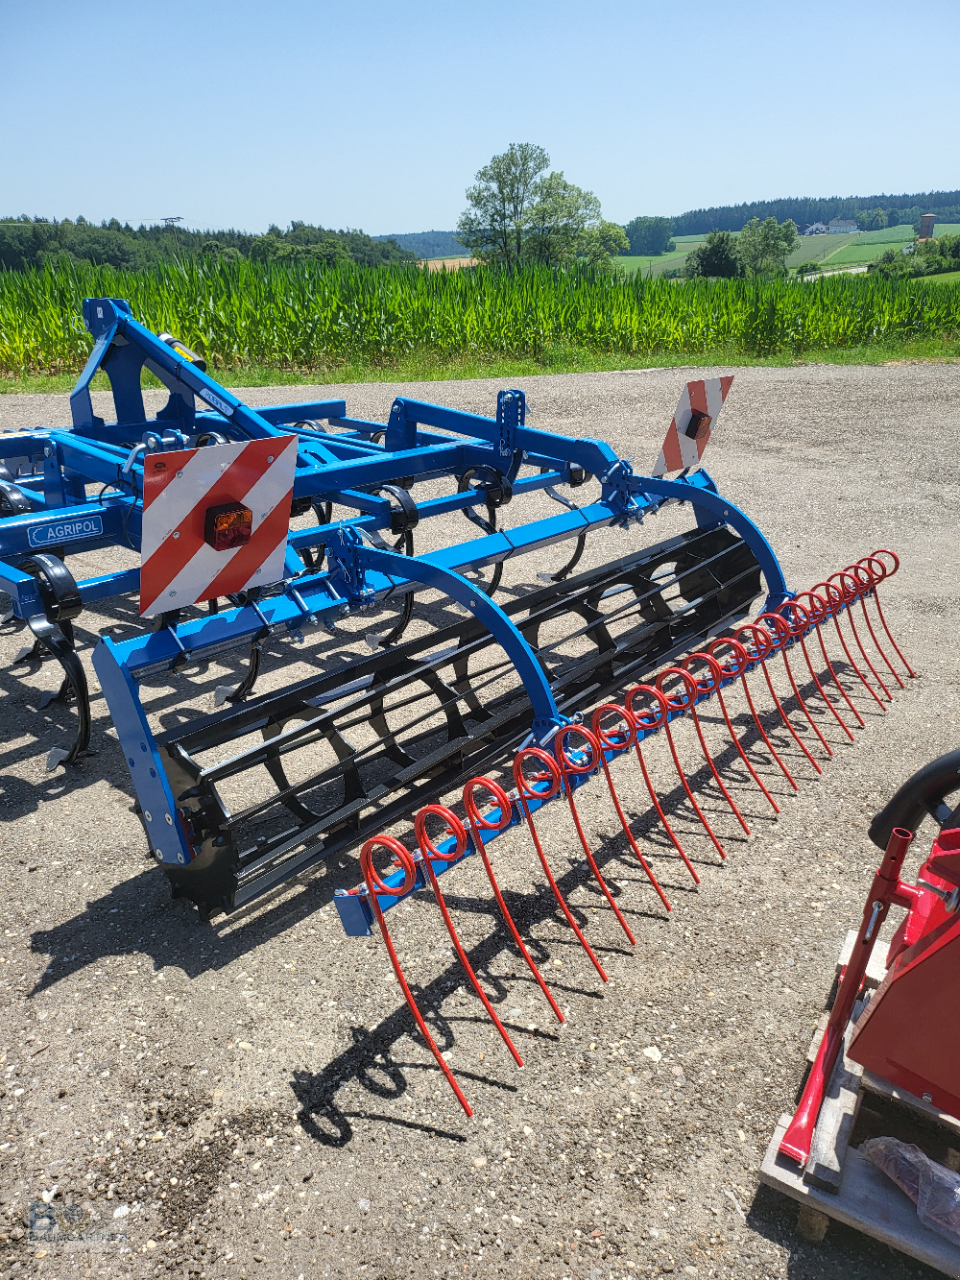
367	739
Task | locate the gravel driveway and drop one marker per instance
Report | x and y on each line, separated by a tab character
245	1097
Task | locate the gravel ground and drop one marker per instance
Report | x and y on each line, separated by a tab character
245	1097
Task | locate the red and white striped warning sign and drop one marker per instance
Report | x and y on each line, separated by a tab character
692	424
235	497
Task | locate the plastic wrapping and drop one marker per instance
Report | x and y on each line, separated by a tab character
934	1189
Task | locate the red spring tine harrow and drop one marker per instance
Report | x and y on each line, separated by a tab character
543	787
429	851
798	619
376	885
576	752
577	763
479	822
648	723
617	742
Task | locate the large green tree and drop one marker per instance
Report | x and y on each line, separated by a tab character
518	213
763	247
716	257
650	236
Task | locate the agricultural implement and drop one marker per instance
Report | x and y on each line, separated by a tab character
244	528
892	1036
907	1033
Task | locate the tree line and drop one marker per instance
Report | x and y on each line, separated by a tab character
27	242
898	210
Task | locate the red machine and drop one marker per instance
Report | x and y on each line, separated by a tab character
909	1032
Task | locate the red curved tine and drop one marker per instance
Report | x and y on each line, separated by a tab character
851	588
374	886
784	633
678	705
646	723
870	577
821	608
765	644
528	792
718	674
738	667
801	620
620	742
882	551
568	767
430	851
477	821
692	690
836	598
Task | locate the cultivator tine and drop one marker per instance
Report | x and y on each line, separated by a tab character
227	693
376	885
803	623
888	573
677	704
742	660
836	599
820	608
718	673
528	790
850	586
621	742
648	723
570	768
783	634
867	578
764	645
692	690
480	822
429	851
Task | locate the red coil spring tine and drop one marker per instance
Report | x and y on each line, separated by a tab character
785	633
568	767
764	647
743	660
820	609
683	704
836	598
800	625
478	820
882	551
647	724
374	886
693	689
526	793
872	578
621	743
719	673
429	851
851	588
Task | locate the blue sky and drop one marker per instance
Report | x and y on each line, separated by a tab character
377	114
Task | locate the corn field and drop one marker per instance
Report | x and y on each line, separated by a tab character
314	318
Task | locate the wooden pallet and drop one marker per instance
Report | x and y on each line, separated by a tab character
866	1200
837	1182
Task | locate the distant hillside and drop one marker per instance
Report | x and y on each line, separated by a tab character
428	244
804	210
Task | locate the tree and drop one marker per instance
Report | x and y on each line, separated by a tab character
495	226
519	213
764	246
650	236
602	243
717	256
558	219
871	219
